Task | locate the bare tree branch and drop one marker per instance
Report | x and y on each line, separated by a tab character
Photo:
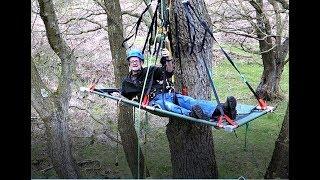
284	4
61	48
269	49
94	12
35	12
105	132
108	14
256	6
246	49
246	15
81	163
147	22
101	26
236	32
111	137
34	21
147	2
94	118
101	5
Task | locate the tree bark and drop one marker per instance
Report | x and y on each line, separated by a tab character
279	164
191	146
273	56
53	107
125	121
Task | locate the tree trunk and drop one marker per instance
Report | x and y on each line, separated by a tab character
279	164
273	57
191	146
53	107
130	142
55	120
125	121
59	145
273	65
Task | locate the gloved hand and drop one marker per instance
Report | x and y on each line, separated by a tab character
163	60
166	56
165	53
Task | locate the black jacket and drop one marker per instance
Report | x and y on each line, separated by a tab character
132	87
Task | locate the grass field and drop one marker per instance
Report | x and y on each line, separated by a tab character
233	159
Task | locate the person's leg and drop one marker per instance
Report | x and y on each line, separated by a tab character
229	108
165	101
188	102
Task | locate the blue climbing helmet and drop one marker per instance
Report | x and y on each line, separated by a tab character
135	53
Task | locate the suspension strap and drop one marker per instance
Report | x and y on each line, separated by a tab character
146	97
153	23
235	133
136	26
213	88
262	103
202	22
191	26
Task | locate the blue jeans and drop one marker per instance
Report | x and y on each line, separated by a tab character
165	101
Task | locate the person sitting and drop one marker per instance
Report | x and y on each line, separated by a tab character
167	98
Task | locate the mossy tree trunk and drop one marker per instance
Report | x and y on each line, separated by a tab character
273	52
191	146
53	106
125	114
279	164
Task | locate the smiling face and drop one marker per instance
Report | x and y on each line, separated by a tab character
135	63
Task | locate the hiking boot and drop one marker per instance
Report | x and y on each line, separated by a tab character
196	112
229	107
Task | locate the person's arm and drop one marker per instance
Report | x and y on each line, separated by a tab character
123	89
168	59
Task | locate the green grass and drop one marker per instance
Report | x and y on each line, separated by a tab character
234	160
236	49
231	156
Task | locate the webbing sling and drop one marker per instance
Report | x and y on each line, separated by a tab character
146	95
186	5
214	89
208	30
202	22
164	16
137	27
191	27
153	23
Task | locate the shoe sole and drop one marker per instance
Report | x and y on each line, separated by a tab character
232	103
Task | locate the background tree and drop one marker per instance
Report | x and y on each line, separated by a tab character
273	52
191	146
53	107
264	21
125	121
279	164
92	121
